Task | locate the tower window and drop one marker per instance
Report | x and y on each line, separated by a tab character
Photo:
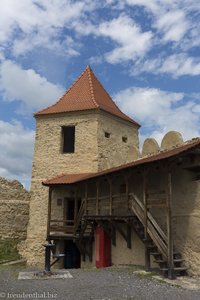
124	139
107	135
68	133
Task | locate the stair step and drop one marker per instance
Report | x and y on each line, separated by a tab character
151	247
178	260
160	261
178	269
155	253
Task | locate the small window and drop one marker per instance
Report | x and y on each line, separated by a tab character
107	135
124	139
68	133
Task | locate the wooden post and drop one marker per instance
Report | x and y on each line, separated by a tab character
76	203
97	199
86	197
147	252
110	196
127	190
49	211
169	227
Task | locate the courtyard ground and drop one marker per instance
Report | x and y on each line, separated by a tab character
98	284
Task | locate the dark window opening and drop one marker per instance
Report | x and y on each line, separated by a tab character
107	135
124	139
68	139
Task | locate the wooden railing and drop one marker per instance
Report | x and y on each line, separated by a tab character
67	226
115	204
155	232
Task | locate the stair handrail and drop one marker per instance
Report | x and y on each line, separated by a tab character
79	216
153	229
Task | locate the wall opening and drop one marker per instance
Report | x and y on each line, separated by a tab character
68	138
72	259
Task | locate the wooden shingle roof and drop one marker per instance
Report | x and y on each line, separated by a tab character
86	93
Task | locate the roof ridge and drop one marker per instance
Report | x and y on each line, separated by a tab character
91	86
67	91
106	92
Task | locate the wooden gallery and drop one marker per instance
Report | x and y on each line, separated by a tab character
99	200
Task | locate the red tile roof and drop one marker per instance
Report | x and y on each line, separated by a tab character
67	178
73	178
86	93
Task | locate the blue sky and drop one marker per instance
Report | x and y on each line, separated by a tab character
145	53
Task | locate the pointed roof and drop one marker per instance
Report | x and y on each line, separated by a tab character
85	93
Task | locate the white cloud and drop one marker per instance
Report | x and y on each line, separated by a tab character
175	65
16	144
32	90
131	41
173	25
160	111
26	24
171	18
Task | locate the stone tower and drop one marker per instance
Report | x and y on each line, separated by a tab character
83	132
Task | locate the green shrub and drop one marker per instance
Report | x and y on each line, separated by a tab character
8	250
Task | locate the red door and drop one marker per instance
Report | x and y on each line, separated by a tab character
103	248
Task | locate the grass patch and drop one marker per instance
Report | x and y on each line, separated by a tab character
8	250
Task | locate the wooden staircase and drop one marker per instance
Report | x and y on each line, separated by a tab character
83	233
156	241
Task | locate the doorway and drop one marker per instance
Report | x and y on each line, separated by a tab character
72	258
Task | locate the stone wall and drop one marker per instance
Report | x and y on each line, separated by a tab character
14	212
186	218
113	151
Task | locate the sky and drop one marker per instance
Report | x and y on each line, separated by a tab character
146	53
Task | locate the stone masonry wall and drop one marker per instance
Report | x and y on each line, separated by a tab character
186	218
113	151
14	212
49	161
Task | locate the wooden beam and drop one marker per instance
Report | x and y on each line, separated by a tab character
97	198
49	211
126	177
86	197
113	235
76	203
110	197
128	236
169	226
147	252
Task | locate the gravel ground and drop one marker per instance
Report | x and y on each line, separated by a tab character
97	284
